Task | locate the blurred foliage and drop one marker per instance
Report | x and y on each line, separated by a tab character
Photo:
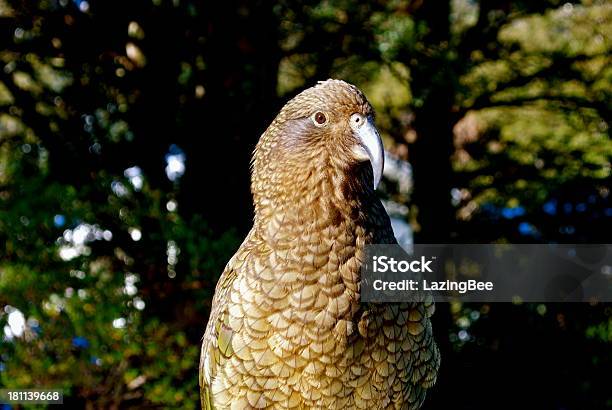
125	135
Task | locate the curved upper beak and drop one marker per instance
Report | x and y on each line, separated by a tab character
371	143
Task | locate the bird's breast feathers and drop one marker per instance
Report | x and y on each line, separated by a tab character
291	333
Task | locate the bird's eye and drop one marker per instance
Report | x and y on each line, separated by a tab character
320	118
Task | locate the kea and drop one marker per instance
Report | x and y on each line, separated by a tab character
287	329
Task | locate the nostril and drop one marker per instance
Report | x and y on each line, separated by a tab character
357	120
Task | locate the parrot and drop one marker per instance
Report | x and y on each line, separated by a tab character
287	329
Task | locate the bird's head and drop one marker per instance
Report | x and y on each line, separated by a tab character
326	131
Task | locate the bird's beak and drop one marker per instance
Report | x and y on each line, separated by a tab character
371	143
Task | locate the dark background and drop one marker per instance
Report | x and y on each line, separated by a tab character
126	129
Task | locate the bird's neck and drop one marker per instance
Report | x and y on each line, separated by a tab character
322	199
